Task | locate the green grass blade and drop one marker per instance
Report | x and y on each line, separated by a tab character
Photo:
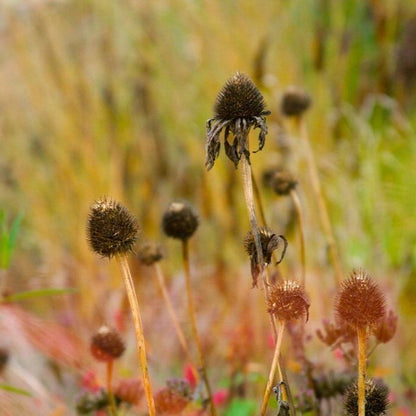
40	292
11	389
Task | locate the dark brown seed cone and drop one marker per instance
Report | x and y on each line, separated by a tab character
149	253
360	302
376	401
295	101
179	221
169	402
129	390
288	301
386	328
106	344
111	228
282	182
239	98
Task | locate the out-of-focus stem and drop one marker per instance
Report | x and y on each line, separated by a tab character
298	208
113	409
362	366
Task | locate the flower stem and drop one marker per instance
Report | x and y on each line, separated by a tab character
362	365
113	410
192	317
273	368
298	208
138	326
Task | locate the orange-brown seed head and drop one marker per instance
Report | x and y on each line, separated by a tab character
106	344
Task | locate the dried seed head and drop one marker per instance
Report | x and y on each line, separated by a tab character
169	402
111	228
288	301
129	390
180	221
282	182
106	344
149	253
239	98
376	401
360	302
180	386
295	101
386	328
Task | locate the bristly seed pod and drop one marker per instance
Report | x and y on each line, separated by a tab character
170	402
112	229
238	107
360	302
149	253
376	401
106	344
295	101
288	301
179	221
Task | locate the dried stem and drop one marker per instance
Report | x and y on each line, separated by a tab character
298	208
362	365
171	310
192	317
138	326
113	410
273	368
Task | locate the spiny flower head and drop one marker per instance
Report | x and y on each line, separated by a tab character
180	221
112	229
170	402
360	302
106	344
238	107
376	401
295	101
149	253
129	390
288	301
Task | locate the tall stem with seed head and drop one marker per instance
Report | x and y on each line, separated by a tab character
298	208
113	410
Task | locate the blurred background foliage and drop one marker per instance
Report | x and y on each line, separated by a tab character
111	97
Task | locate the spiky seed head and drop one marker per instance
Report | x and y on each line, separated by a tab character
360	302
149	253
282	182
239	98
106	344
180	221
169	402
295	101
386	328
288	301
376	400
129	390
112	229
269	242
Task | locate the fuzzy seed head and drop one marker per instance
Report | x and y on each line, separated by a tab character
112	229
360	302
288	301
295	101
376	401
269	242
282	182
150	253
169	402
129	390
179	221
239	98
106	344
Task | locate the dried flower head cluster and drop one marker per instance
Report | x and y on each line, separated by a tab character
239	107
376	400
336	334
180	221
288	301
295	101
360	302
106	344
170	402
129	390
112	229
149	253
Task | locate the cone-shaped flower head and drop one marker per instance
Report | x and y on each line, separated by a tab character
376	400
295	101
106	344
238	107
282	182
360	302
288	301
111	228
149	253
179	221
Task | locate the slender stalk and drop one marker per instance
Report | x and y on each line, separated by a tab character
138	326
192	317
323	210
273	368
362	365
113	410
298	208
171	310
257	196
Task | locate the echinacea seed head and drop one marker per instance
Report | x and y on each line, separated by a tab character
376	399
169	402
112	229
239	98
150	253
106	344
282	182
360	301
269	242
295	101
180	221
288	301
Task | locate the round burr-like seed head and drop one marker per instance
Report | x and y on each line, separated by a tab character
179	221
295	101
106	344
149	253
